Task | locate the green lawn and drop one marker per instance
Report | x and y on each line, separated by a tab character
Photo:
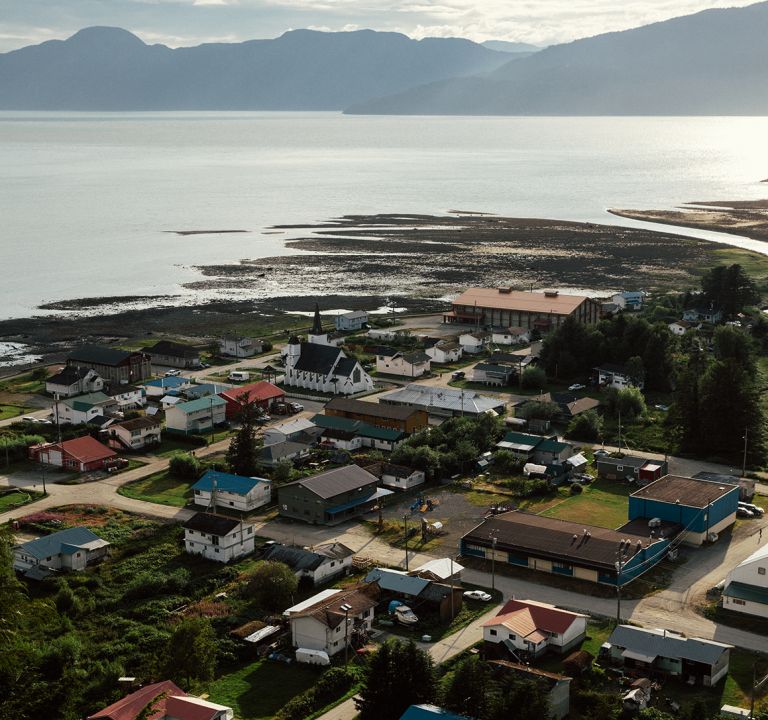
257	691
159	488
25	383
11	411
170	446
17	498
602	503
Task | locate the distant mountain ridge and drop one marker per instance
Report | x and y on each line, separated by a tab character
102	68
711	63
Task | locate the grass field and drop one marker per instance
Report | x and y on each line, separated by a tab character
25	383
257	691
18	498
602	503
159	488
11	411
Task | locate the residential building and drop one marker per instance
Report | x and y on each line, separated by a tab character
319	564
260	394
634	469
445	599
201	390
233	492
196	416
168	702
444	401
353	320
630	299
616	376
74	380
71	549
558	686
504	307
345	434
491	374
113	365
83	454
330	497
135	434
663	652
570	549
217	537
442	570
709	315
570	405
332	619
286	451
404	364
83	409
510	336
406	419
299	429
430	712
443	351
746	587
680	327
170	400
474	342
128	397
240	347
703	508
526	629
536	448
397	477
172	354
161	386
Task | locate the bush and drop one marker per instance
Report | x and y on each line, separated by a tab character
576	489
534	378
185	466
586	426
266	346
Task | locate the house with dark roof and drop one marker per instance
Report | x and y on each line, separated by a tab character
536	448
390	361
298	429
701	507
510	336
746	587
135	434
345	434
397	477
286	450
430	712
233	492
240	347
168	702
74	380
318	364
83	454
493	374
330	497
70	549
634	469
333	619
526	629
658	653
442	351
128	397
172	354
115	366
261	394
394	417
557	687
570	549
569	404
218	537
319	564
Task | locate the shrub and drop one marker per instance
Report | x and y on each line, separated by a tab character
185	466
586	426
534	378
576	489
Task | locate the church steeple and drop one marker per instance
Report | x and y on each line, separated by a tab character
317	325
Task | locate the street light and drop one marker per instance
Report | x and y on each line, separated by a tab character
346	607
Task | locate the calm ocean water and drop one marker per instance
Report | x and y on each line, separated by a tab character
87	200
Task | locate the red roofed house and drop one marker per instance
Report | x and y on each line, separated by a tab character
261	393
82	454
526	628
168	702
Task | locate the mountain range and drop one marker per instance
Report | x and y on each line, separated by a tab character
102	68
712	63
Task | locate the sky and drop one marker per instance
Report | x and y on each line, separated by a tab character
191	22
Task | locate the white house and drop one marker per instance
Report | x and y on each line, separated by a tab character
680	327
353	320
319	365
135	434
510	336
473	343
297	430
405	364
234	492
128	397
74	380
532	628
239	347
161	386
273	455
217	537
196	416
615	376
70	549
704	314
746	587
328	621
319	563
168	401
83	409
444	351
397	477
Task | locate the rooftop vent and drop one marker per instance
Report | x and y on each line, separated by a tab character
505	291
551	293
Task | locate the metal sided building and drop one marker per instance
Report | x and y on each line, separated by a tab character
568	548
701	507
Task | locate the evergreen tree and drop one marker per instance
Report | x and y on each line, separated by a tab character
657	358
464	689
192	650
729	288
272	585
243	452
516	697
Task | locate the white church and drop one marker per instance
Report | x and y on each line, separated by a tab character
318	364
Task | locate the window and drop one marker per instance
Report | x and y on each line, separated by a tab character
620	468
761	571
736	601
231	502
333	564
493	632
512	637
216	549
250	531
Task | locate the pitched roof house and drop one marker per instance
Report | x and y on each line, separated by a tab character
232	491
558	687
319	563
262	394
746	587
217	537
135	434
69	549
82	409
115	366
74	380
172	354
82	454
196	416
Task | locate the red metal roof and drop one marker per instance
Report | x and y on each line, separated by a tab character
87	449
545	617
131	705
257	392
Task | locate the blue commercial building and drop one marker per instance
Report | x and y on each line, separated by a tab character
700	507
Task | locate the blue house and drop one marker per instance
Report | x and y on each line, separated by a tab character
430	712
232	491
702	508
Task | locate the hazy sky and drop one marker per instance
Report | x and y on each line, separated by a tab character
190	22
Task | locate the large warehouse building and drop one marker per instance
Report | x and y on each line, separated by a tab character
503	307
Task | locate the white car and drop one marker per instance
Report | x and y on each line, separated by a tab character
576	386
172	373
477	595
756	510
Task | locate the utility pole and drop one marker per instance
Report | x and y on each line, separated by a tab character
619	568
405	523
744	461
494	540
619	429
213	430
346	607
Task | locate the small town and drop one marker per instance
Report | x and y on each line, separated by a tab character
535	504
